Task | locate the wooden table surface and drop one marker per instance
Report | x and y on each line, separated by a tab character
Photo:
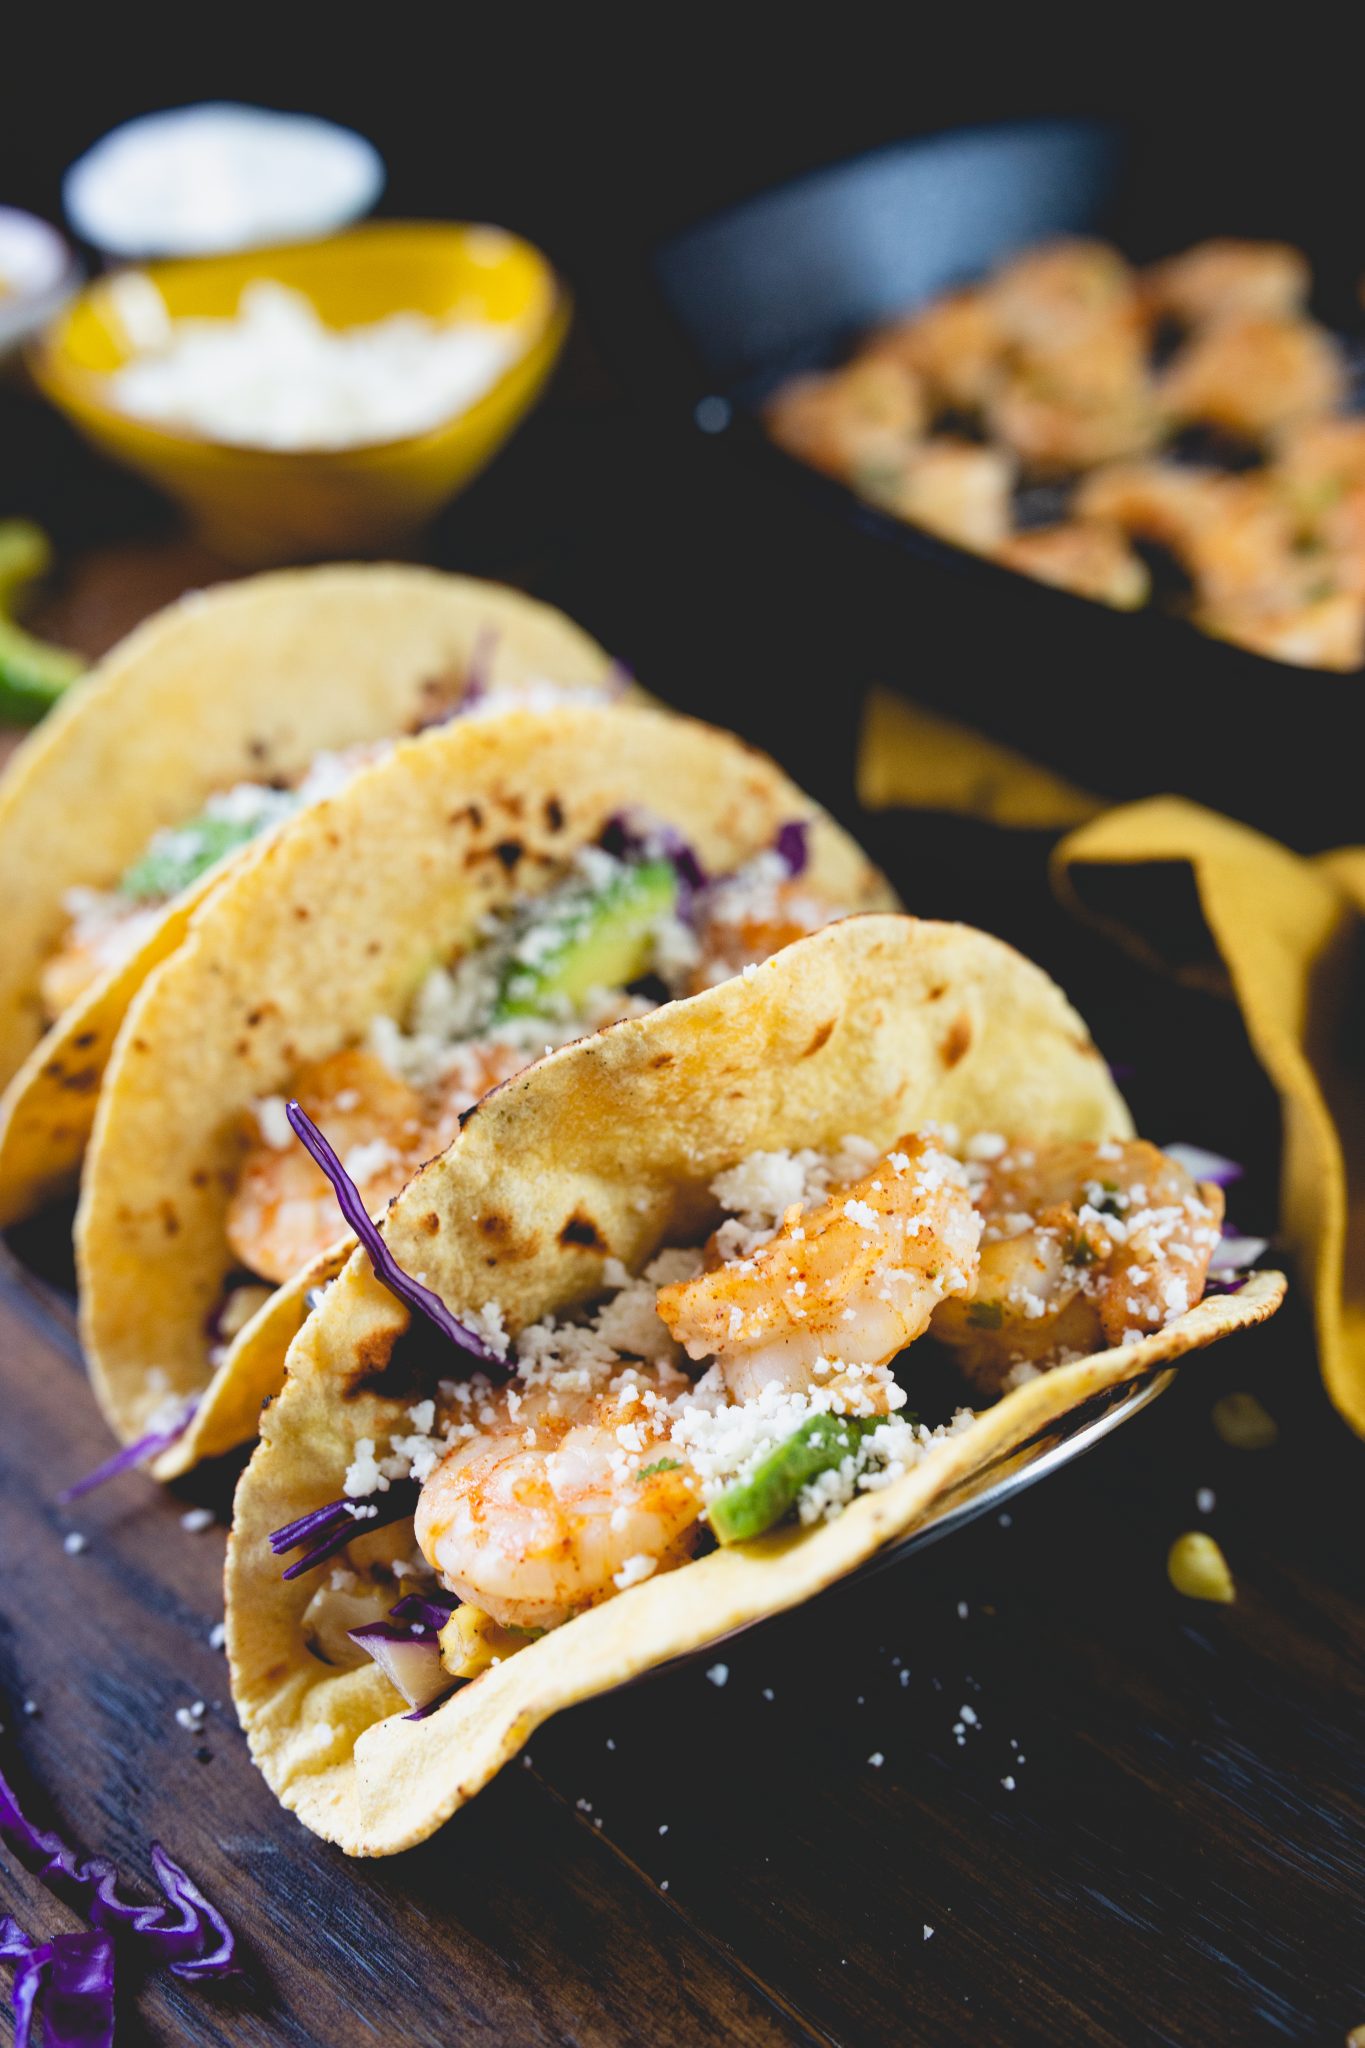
1151	1827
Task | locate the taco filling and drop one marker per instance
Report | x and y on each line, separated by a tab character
761	1376
106	927
633	922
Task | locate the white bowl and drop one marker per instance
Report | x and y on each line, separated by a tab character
212	179
38	274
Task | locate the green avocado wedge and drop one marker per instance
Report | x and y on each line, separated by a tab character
585	939
33	673
756	1504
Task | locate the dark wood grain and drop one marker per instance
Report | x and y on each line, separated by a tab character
1182	1856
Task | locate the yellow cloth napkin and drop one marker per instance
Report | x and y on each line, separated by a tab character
1284	930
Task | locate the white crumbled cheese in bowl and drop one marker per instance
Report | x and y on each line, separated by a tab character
276	376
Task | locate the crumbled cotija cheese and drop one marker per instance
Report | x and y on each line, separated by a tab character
275	376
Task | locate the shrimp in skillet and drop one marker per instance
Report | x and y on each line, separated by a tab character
1084	1246
855	1278
854	422
1225	279
1253	377
1082	555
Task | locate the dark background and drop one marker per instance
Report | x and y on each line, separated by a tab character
594	129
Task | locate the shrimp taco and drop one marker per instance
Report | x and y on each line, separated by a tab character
498	887
213	721
634	1363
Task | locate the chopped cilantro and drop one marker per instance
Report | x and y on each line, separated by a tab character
660	1465
986	1315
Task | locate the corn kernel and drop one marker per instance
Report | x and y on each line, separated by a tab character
471	1641
1242	1422
1197	1568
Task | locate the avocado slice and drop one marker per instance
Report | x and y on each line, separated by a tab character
182	853
758	1503
584	938
33	673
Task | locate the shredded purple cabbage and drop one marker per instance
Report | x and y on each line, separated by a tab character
220	1960
329	1529
792	845
15	1944
140	1453
478	679
78	2004
183	1930
634	835
74	1974
32	1958
1202	1164
386	1267
420	1713
429	1610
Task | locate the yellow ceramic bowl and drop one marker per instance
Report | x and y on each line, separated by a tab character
258	505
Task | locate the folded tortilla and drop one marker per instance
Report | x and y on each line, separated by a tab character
873	1026
333	921
247	682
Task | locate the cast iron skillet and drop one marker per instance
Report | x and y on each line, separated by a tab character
1127	704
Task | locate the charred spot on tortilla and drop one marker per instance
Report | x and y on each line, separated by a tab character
431	1223
958	1042
398	1366
662	1059
302	912
934	994
82	1081
83	1041
170	1222
509	852
554	814
581	1230
821	1039
468	814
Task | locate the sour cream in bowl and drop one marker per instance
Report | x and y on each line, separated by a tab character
320	399
210	179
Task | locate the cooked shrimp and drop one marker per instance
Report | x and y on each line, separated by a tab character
1319	468
742	927
1247	551
1060	290
853	423
546	1512
1084	1246
1081	555
1326	630
1153	501
283	1210
1252	377
102	934
1225	279
954	488
1055	432
955	344
853	1280
1322	457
